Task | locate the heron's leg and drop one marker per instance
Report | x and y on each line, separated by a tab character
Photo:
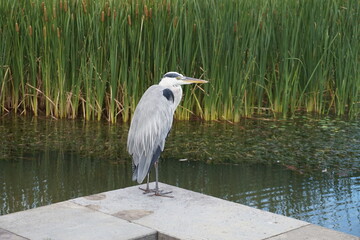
147	189
159	192
156	177
147	183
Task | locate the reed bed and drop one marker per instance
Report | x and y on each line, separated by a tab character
94	59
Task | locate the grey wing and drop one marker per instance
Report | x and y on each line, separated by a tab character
149	128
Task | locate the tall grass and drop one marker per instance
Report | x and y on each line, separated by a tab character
94	59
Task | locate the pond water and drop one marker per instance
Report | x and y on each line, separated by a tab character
306	168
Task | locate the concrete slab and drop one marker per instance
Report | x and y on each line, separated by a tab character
68	220
314	232
129	214
190	215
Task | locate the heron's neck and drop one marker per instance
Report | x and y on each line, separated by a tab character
177	91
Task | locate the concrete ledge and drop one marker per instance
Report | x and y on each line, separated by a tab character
67	220
129	214
190	215
313	232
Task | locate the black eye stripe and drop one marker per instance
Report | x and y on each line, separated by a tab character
172	75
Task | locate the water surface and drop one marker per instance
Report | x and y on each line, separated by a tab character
305	168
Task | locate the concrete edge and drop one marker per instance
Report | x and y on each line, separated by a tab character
7	235
313	232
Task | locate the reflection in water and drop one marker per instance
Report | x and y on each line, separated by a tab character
323	199
41	178
308	170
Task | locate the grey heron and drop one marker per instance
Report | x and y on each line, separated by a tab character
151	124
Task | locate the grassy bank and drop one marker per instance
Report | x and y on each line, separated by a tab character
94	59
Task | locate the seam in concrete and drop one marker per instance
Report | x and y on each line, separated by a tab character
160	235
295	229
2	230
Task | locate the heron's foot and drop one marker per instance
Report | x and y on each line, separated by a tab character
161	193
147	190
157	192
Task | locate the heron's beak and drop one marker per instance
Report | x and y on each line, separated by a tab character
189	80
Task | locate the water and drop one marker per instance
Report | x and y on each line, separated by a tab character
305	168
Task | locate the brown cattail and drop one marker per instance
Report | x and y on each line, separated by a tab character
168	9
129	20
30	31
137	10
65	6
150	13
114	14
54	12
44	31
175	22
17	29
109	12
194	27
42	5
84	6
102	16
45	14
146	11
58	32
61	4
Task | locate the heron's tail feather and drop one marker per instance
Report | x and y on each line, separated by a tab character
145	163
134	176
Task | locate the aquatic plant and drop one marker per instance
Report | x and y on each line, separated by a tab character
94	59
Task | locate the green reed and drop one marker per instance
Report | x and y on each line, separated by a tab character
94	59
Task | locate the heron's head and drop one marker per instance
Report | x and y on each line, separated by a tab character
176	79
